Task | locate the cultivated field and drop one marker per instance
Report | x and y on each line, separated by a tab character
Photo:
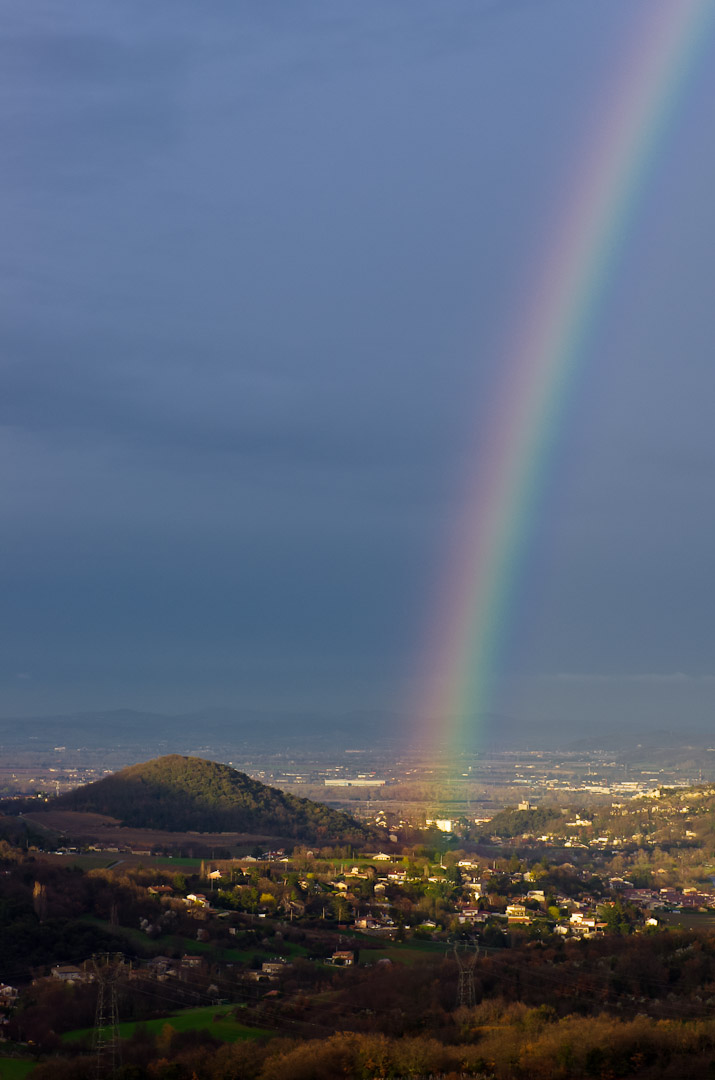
15	1068
218	1019
107	833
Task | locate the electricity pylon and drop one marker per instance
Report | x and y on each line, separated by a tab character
466	961
106	1043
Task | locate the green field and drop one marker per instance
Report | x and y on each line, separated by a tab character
173	943
175	863
217	1019
84	862
101	860
14	1068
411	952
687	920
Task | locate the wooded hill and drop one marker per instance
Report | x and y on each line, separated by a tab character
511	822
187	793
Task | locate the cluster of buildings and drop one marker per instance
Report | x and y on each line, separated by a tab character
666	899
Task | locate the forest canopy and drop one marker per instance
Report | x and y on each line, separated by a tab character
181	793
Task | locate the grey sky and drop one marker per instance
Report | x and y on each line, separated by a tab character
257	262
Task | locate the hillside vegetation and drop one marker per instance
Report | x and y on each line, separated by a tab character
188	793
510	822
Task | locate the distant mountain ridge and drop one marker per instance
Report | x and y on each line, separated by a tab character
212	732
188	733
180	794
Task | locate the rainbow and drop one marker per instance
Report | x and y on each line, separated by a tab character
477	592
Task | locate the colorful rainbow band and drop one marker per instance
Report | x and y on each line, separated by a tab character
467	633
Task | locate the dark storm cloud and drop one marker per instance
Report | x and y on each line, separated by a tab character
258	263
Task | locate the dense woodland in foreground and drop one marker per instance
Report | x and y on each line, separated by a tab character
618	1005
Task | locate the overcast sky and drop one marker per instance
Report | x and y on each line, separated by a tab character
257	263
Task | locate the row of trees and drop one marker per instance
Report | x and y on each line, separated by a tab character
516	1044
